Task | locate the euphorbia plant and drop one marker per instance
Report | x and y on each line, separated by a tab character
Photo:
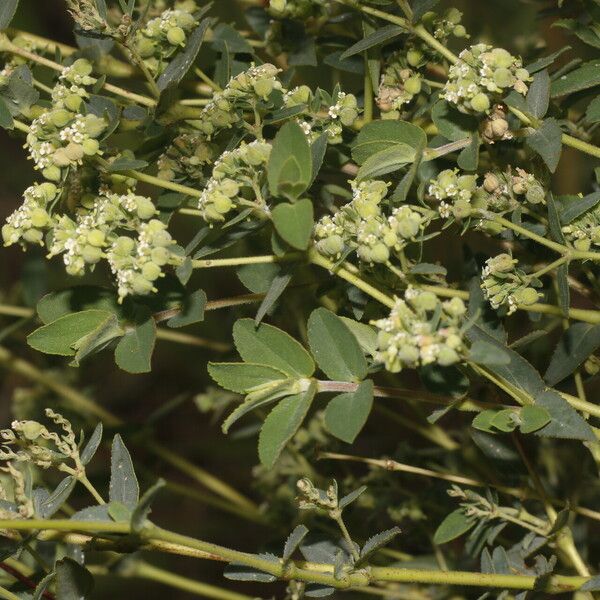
169	142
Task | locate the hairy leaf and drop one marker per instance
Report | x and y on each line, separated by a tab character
347	413
124	485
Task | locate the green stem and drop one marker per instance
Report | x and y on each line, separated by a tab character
356	281
550	267
308	572
7	46
91	489
351	546
247	260
8	595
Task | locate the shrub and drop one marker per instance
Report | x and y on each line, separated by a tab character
417	282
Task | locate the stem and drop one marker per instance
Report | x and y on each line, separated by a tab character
550	267
7	46
342	272
91	489
7	595
302	571
247	260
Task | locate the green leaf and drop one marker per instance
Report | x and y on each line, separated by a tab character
545	61
294	222
386	161
90	448
73	582
352	496
124	163
451	123
294	540
380	135
51	503
6	119
378	37
547	142
268	345
258	278
566	422
142	510
134	351
60	336
124	487
468	159
334	347
317	153
574	206
107	331
578	342
277	287
282	423
85	297
484	353
243	377
453	526
592	112
191	310
289	171
504	420
225	35
8	8
564	289
379	541
180	65
538	95
259	398
533	418
366	335
346	414
584	77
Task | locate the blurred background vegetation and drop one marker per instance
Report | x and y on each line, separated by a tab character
162	402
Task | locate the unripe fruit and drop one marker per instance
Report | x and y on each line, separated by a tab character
9	233
151	271
33	236
408	355
221	203
582	244
176	36
414	57
96	238
413	85
52	173
480	102
447	356
82	67
526	296
91	254
39	217
229	187
455	307
145	208
73	102
535	194
490	182
425	301
145	47
380	253
74	152
459	31
160	256
90	147
60	117
162	238
141	285
263	87
31	430
503	78
447	178
47	190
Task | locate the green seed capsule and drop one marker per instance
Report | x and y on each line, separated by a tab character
53	173
141	285
73	102
90	147
414	57
447	356
96	238
176	36
480	102
151	271
31	430
39	218
60	117
413	85
91	254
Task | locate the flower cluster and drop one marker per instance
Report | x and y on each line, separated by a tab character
33	442
164	35
503	284
454	192
361	225
185	158
138	263
584	231
399	85
310	496
28	223
242	91
325	113
235	171
96	232
61	136
483	76
506	191
410	337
